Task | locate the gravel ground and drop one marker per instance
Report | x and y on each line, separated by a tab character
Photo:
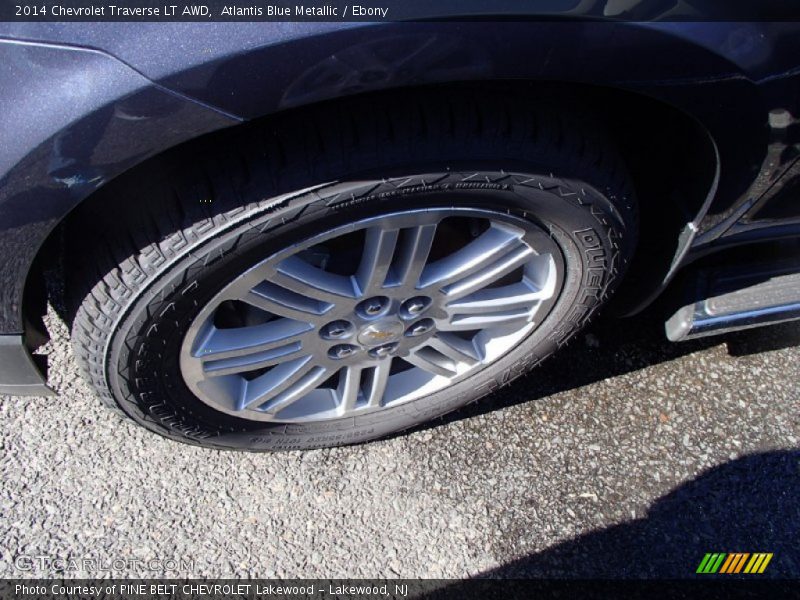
624	455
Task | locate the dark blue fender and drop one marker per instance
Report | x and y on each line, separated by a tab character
72	119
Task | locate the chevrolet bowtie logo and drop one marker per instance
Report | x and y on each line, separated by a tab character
380	335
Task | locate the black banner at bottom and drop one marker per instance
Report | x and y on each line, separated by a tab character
435	589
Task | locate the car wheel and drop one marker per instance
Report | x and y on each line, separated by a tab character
327	279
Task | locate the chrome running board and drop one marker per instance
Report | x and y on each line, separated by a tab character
731	299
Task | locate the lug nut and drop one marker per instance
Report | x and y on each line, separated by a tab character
420	327
382	351
342	351
373	306
414	306
336	330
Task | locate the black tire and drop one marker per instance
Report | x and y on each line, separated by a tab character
146	254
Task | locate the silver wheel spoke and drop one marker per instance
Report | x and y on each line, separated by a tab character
490	273
280	301
431	360
475	259
376	380
456	348
297	275
254	361
511	297
413	255
379	247
296	391
282	385
243	342
503	318
349	390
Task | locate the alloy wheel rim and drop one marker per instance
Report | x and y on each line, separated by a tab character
372	315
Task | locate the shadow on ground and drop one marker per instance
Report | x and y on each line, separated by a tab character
746	505
751	504
657	556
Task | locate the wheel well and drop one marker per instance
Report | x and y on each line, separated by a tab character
669	155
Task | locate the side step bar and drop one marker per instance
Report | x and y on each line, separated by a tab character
733	299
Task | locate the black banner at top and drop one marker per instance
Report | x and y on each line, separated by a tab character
397	10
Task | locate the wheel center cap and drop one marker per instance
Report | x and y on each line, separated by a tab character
379	333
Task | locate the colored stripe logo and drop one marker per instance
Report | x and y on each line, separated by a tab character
735	562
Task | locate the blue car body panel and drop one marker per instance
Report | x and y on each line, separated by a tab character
72	119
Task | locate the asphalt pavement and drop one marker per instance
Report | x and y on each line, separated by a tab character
624	455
